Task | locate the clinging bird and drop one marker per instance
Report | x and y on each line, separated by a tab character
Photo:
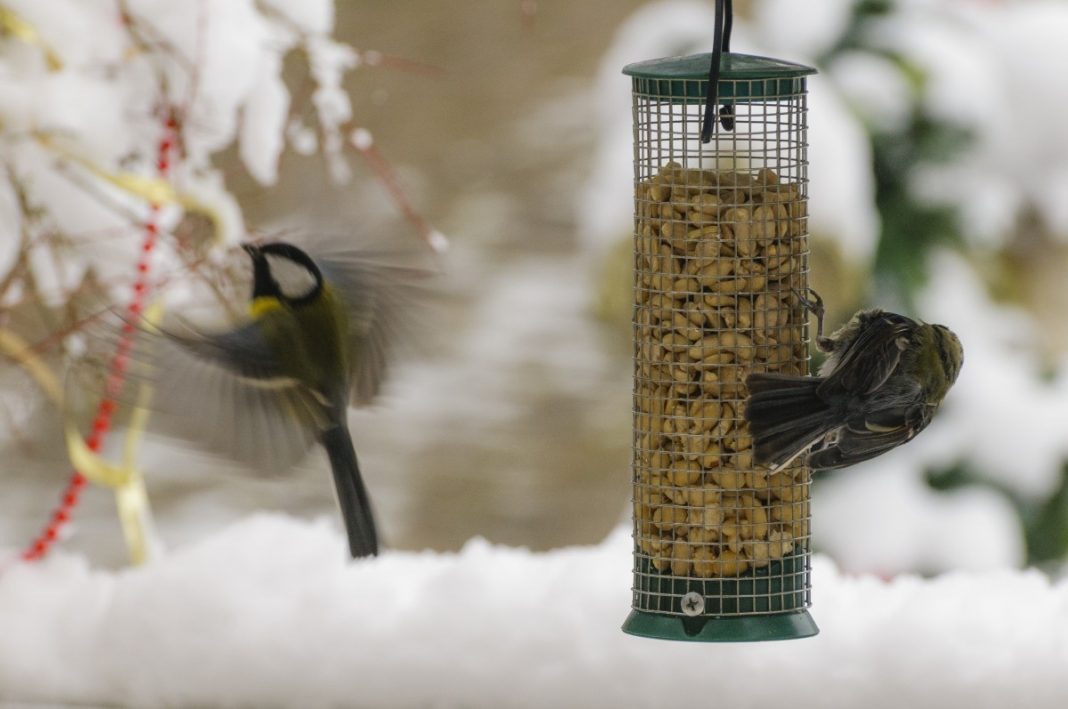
884	378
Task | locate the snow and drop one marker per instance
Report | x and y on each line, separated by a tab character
362	139
10	227
886	520
1009	422
876	88
841	188
995	70
83	100
301	137
329	60
801	28
268	613
438	241
261	138
316	16
991	68
78	31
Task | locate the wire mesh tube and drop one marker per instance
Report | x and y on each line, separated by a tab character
721	255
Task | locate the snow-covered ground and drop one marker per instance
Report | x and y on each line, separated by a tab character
269	613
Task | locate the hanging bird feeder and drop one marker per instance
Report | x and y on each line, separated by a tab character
721	546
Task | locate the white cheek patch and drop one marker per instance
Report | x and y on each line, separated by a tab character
293	279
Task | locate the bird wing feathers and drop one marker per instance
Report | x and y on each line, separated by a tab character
873	354
379	296
229	392
868	435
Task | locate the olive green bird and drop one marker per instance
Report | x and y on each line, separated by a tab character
317	337
883	380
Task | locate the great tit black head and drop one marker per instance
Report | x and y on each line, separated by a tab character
283	271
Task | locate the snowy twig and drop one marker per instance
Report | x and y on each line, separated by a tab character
363	142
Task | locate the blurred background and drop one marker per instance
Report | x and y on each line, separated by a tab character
939	187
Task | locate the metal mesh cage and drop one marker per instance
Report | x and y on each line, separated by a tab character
720	258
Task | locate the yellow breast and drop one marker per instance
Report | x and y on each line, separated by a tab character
263	305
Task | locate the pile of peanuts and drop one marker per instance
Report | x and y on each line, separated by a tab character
719	265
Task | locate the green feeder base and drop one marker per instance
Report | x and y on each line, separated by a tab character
724	629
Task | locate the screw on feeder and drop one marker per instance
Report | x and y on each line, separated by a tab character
693	603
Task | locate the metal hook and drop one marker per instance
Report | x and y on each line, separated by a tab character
721	43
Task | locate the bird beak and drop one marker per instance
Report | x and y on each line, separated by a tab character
252	250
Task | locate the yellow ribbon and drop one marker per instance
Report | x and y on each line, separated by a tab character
17	27
131	498
154	190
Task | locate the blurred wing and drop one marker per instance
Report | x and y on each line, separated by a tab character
380	296
873	354
228	392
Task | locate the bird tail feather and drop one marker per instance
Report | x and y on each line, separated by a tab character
351	494
786	416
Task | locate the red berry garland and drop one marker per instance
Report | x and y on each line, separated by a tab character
117	371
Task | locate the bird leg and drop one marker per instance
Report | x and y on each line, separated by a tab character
815	306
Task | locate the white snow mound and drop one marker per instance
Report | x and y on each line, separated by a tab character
269	613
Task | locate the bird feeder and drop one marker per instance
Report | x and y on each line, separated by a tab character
721	546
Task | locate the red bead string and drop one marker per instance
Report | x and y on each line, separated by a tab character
119	361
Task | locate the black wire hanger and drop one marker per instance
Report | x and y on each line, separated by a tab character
721	44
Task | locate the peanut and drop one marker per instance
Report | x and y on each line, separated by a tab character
730	563
704	564
681	553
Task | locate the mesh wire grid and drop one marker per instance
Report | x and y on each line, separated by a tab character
721	253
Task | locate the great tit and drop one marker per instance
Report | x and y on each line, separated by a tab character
883	380
317	336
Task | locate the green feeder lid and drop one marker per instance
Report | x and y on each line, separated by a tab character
743	77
